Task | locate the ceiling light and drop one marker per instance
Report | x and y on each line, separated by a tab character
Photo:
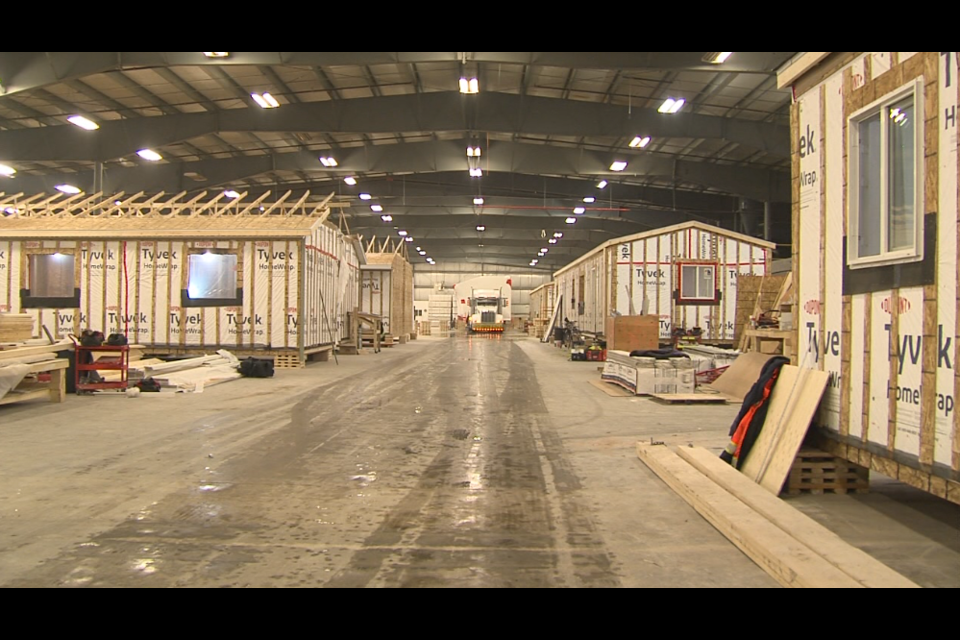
387	217
328	161
83	123
149	154
480	227
558	234
618	165
216	54
350	181
544	249
601	184
671	106
408	239
67	188
230	193
552	241
421	252
473	152
476	173
640	142
471	85
11	210
579	210
265	100
717	57
6	171
401	233
589	199
540	253
478	201
365	196
376	207
570	220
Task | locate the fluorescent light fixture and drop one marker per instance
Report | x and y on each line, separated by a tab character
216	54
365	196
478	201
327	161
476	173
471	85
421	252
552	241
473	152
558	234
589	199
6	171
376	207
408	239
717	57
67	188
601	184
579	210
230	193
387	217
618	165
350	181
265	100
83	123
540	253
116	202
401	233
640	142
671	106
544	249
11	210
480	227
149	154
570	220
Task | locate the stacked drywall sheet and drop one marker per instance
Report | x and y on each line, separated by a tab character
647	376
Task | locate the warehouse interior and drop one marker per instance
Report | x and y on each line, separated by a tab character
432	455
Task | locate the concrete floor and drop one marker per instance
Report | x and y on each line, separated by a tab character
486	461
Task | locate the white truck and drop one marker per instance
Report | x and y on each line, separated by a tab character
486	311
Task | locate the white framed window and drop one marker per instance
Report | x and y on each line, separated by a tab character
698	282
885	186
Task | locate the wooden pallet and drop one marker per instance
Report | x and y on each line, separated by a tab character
688	398
817	472
288	361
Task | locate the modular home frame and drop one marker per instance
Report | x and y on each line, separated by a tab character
685	274
261	277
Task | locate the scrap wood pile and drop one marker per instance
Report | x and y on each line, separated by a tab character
187	374
28	359
738	490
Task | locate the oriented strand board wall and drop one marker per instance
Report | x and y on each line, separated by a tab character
889	344
395	304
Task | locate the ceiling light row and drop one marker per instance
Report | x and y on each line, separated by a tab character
265	100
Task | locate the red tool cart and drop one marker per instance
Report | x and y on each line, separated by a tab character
116	359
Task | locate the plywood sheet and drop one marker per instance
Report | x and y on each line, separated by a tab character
792	405
740	376
612	389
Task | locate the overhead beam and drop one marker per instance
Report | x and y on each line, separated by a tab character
23	71
438	111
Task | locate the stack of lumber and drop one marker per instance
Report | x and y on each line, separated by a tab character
22	362
790	546
15	327
744	503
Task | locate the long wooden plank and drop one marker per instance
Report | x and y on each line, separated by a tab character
11	354
793	403
857	564
788	561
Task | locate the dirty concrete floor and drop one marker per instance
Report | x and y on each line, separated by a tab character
487	461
